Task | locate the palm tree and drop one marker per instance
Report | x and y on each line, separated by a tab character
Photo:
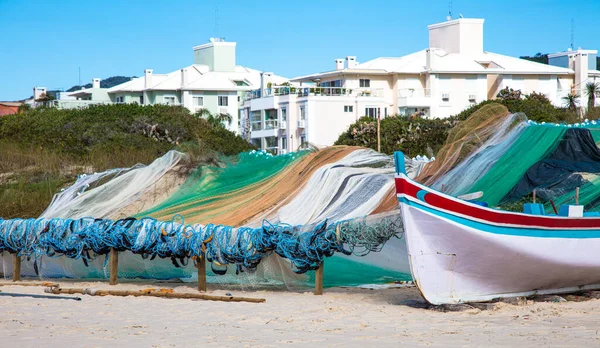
591	90
571	101
217	120
224	117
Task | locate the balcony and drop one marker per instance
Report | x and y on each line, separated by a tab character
411	97
314	91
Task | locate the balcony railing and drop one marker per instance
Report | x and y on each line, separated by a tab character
271	124
314	91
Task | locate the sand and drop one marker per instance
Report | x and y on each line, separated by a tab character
342	317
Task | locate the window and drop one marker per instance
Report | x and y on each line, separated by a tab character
365	83
371	112
169	100
446	97
302	113
283	143
303	141
336	83
223	101
256	120
348	108
283	114
120	99
257	142
141	100
198	101
271	119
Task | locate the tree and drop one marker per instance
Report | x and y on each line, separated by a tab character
216	120
538	58
509	94
571	101
591	89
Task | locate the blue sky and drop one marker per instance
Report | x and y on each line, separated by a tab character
43	43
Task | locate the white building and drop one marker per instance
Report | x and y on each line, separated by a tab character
453	73
214	82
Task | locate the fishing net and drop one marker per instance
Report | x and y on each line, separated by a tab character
463	139
533	144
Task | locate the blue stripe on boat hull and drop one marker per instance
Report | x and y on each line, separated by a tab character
511	231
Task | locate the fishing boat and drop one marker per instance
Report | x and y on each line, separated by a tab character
461	251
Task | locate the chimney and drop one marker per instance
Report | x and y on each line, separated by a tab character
339	64
351	62
95	83
218	55
184	77
265	78
430	58
38	91
463	36
147	78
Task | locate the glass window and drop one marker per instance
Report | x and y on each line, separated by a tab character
198	101
223	100
256	142
141	100
348	108
303	141
302	113
371	112
284	143
169	100
256	120
283	114
271	119
365	83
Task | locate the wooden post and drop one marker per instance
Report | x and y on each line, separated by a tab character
16	268
114	266
319	280
201	265
378	130
443	188
534	192
577	195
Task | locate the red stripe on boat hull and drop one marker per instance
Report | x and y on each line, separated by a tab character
438	200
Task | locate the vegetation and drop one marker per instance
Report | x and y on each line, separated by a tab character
417	136
538	58
44	149
106	83
592	89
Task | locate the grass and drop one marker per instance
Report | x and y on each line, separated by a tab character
44	150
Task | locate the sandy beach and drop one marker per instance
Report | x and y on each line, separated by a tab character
342	317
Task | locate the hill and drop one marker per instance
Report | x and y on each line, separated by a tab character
543	58
42	150
106	83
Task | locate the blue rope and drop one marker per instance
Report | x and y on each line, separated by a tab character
244	247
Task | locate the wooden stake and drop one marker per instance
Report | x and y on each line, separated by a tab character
201	265
151	293
114	266
319	280
577	195
443	188
534	192
16	268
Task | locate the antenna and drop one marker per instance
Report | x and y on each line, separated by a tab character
217	21
450	10
79	76
572	33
